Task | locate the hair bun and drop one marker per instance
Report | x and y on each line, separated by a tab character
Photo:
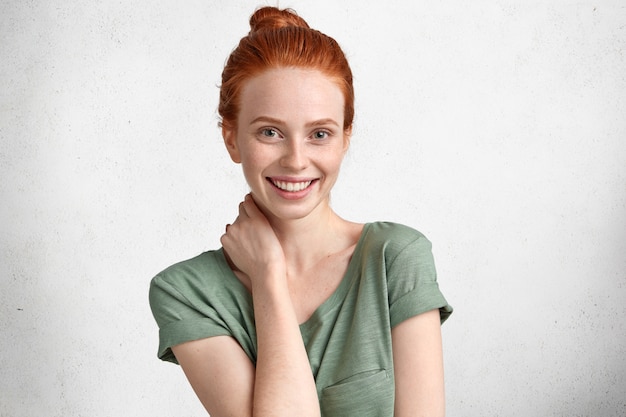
269	18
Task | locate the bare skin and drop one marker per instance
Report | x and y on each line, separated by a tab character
290	141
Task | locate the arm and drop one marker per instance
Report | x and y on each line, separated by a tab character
284	384
418	366
224	378
220	373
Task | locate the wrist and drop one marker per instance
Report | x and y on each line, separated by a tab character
269	278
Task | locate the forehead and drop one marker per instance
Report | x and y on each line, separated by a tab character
292	94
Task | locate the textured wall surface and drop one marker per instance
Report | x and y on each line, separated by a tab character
497	128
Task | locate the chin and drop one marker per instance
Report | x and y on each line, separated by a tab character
293	210
291	214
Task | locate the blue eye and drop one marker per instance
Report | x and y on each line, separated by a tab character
270	133
320	134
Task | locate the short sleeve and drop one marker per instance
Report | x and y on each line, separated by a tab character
180	319
412	283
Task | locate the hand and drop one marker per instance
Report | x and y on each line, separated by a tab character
250	242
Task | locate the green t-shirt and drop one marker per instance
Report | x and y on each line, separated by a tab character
390	278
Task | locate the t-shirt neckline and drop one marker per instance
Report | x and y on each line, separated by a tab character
327	305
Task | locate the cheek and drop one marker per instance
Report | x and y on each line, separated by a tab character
252	164
336	161
249	170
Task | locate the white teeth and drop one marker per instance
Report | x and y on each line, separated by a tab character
292	186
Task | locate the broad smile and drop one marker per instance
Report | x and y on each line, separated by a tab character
291	186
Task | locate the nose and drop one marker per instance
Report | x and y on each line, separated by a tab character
294	156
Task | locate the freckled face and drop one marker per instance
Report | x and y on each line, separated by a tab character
290	140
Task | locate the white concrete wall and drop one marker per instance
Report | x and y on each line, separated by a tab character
497	128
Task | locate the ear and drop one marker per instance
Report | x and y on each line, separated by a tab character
230	140
347	136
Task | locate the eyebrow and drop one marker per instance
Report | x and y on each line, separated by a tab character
272	120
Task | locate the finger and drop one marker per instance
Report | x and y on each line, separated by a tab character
251	207
242	209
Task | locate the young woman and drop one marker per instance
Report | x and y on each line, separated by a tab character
301	313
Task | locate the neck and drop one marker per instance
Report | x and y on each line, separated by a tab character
306	240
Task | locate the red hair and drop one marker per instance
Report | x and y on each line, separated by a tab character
279	39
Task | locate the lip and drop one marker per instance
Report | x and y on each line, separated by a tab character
292	195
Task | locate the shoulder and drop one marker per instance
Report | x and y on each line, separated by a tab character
192	274
199	298
195	288
405	258
393	238
393	231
